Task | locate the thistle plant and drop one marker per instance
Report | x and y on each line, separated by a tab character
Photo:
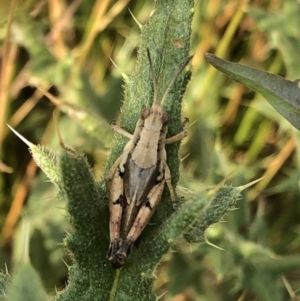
167	34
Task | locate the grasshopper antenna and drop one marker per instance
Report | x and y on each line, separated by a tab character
153	77
174	79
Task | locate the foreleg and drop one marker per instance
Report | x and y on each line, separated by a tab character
120	131
179	136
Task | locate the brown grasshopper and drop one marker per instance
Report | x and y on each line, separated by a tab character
137	178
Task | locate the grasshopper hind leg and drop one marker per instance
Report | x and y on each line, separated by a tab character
116	206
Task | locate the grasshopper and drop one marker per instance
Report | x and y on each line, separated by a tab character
137	178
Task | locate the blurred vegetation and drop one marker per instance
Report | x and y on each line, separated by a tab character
63	48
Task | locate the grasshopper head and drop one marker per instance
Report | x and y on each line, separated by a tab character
155	117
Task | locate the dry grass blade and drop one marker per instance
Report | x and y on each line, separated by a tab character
9	52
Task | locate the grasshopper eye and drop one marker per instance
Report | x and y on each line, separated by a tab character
165	118
145	113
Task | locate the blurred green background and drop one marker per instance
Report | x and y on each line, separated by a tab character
66	48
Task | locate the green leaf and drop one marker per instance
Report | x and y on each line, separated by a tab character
5	281
183	273
266	286
47	160
91	275
26	285
46	216
282	94
281	28
223	200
